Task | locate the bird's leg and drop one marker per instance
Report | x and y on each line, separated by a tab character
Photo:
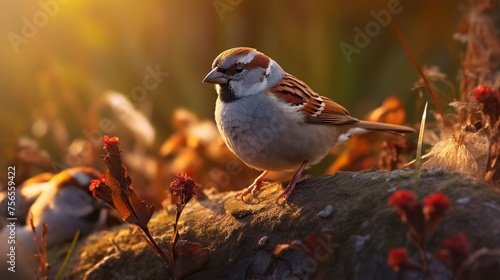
254	187
297	178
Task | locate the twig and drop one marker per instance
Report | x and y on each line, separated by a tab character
415	63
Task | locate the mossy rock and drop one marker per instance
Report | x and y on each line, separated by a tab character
243	235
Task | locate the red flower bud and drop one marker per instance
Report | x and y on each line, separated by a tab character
410	211
454	251
110	143
402	199
398	260
484	93
183	187
397	257
458	244
436	205
101	191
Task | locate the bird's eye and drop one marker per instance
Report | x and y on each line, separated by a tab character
239	69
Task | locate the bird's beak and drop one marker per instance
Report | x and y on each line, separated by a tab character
215	77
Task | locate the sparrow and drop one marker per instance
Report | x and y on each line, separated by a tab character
64	203
273	121
25	195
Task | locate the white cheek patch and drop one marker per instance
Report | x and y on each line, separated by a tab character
259	87
82	178
350	134
240	90
268	69
236	88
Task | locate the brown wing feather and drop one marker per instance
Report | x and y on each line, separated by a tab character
334	113
317	109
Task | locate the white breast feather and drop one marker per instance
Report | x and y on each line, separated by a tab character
351	133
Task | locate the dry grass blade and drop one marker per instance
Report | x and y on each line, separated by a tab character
419	145
68	256
415	63
41	251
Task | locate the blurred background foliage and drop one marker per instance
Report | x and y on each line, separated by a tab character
88	47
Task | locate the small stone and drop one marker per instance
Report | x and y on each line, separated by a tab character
360	241
493	205
365	224
325	212
229	234
354	175
263	241
463	200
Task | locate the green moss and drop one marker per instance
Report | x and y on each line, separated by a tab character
403	175
360	209
492	194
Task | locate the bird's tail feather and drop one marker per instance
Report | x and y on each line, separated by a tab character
392	128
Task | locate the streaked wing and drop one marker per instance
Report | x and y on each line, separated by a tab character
317	109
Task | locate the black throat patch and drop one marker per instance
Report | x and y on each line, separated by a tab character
226	93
